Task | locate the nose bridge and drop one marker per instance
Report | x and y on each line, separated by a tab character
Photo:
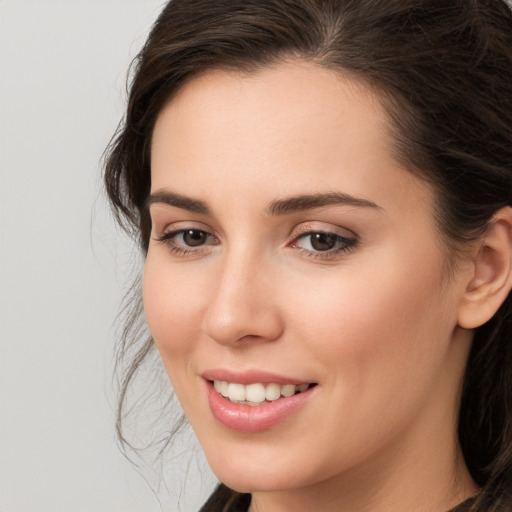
241	306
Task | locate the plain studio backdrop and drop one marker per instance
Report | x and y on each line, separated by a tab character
63	264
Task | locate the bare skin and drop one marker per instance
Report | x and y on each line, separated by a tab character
350	293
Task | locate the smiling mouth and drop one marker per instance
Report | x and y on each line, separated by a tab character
257	393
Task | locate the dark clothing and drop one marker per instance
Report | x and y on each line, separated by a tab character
224	499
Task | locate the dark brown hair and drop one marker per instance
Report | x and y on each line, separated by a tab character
443	69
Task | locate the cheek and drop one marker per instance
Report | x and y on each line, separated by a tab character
377	327
173	305
379	340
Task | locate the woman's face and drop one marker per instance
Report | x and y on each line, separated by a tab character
291	252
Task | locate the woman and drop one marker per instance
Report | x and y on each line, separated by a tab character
321	190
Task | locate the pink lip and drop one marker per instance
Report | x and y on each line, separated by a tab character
250	377
251	419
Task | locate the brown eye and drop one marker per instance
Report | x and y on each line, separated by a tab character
194	237
324	244
323	241
187	240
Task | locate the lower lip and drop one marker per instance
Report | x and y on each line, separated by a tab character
248	418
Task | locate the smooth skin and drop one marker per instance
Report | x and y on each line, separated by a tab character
354	293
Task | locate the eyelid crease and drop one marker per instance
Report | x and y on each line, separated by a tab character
310	227
167	235
164	226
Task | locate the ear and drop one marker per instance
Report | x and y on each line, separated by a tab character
492	273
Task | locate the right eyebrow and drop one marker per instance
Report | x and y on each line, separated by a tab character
179	201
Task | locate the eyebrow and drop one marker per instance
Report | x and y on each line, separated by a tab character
278	207
179	201
312	201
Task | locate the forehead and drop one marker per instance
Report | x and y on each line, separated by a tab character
275	104
280	130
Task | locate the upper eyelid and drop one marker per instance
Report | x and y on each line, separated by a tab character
170	233
157	210
298	230
177	231
166	239
346	239
181	225
314	227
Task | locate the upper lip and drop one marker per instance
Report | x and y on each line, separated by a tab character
251	376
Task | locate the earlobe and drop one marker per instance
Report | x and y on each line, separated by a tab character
492	273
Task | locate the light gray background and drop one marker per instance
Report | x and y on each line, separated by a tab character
63	266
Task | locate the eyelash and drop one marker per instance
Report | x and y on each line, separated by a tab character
344	244
183	250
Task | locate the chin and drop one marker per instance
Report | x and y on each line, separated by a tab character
269	480
261	471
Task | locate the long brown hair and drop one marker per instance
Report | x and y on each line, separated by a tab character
443	69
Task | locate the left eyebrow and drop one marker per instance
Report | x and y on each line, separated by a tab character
312	201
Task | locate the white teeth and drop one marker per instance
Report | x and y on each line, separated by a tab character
256	394
288	390
221	387
236	392
273	392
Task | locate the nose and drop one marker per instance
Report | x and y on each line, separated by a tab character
243	306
